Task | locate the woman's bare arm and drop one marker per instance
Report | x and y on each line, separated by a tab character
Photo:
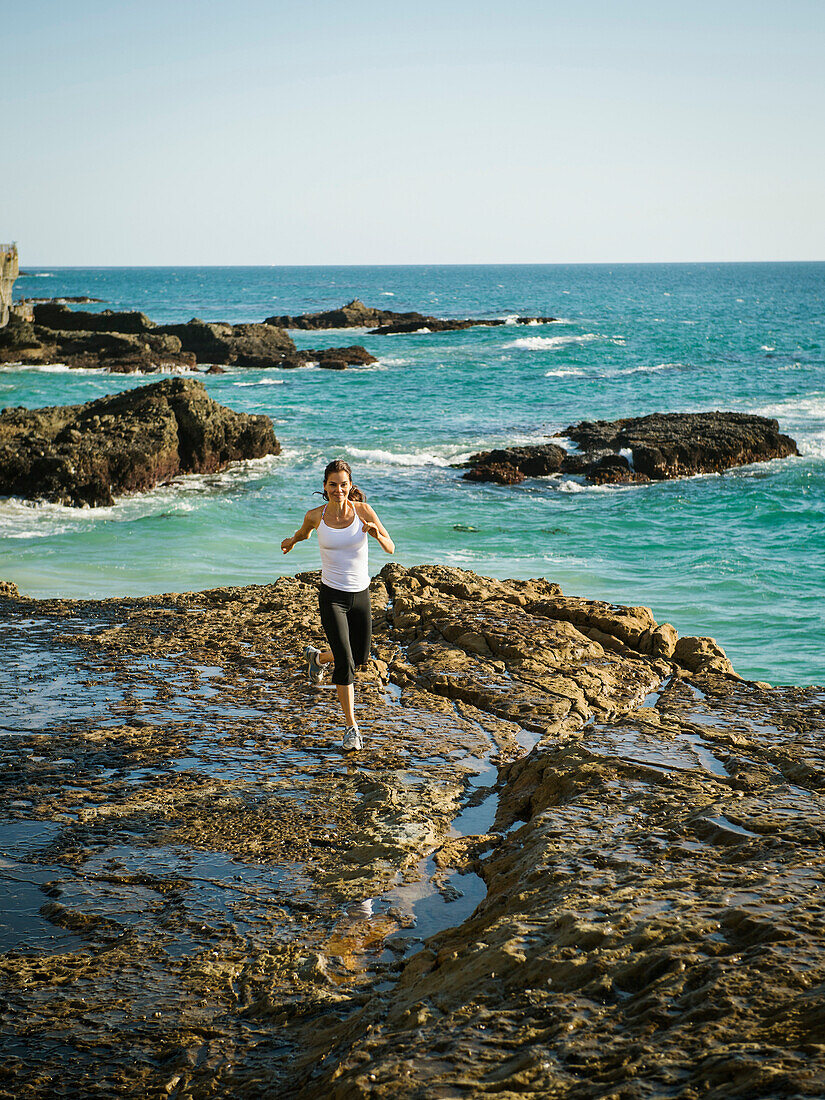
309	525
373	526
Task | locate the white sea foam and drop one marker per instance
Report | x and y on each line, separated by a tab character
803	418
50	368
570	486
263	382
388	362
402	458
551	343
23	519
651	368
562	373
63	368
387	294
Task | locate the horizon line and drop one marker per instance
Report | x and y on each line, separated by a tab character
521	263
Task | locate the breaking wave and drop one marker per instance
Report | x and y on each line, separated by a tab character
550	343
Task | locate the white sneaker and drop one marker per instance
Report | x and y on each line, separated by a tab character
352	740
315	670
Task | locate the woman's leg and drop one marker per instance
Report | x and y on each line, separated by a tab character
346	697
334	607
359	624
359	637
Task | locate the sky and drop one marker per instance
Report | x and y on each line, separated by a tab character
269	132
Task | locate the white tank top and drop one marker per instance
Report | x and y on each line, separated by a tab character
344	551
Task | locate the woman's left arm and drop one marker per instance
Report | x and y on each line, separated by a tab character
373	526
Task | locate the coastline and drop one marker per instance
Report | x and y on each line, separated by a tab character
193	840
734	555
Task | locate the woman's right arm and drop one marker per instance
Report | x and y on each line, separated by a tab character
303	532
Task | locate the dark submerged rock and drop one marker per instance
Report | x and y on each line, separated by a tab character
661	446
437	324
89	454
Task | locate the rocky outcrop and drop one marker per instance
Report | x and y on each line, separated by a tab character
234	345
615	843
126	342
9	270
419	323
642	449
510	465
386	321
89	454
119	352
56	315
352	315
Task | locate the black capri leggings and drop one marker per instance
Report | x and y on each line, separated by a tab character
347	622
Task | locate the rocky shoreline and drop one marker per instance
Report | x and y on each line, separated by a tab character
85	455
130	342
638	450
220	904
46	331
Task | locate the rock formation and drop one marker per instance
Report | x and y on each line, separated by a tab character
89	454
616	841
125	342
9	270
385	321
119	352
642	449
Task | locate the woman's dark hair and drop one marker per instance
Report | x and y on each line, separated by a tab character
338	466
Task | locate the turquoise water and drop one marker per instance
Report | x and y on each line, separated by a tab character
739	556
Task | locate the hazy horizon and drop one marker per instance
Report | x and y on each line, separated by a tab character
480	263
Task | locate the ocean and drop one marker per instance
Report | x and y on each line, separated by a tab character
739	556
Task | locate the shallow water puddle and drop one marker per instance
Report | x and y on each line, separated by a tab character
427	909
427	900
682	751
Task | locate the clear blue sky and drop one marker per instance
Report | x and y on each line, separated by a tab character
260	132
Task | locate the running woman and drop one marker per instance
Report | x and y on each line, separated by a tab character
343	524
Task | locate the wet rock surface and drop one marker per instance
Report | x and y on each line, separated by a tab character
642	449
577	857
127	342
381	322
126	442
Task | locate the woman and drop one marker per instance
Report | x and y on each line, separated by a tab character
343	524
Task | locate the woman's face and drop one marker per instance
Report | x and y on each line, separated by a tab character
337	486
